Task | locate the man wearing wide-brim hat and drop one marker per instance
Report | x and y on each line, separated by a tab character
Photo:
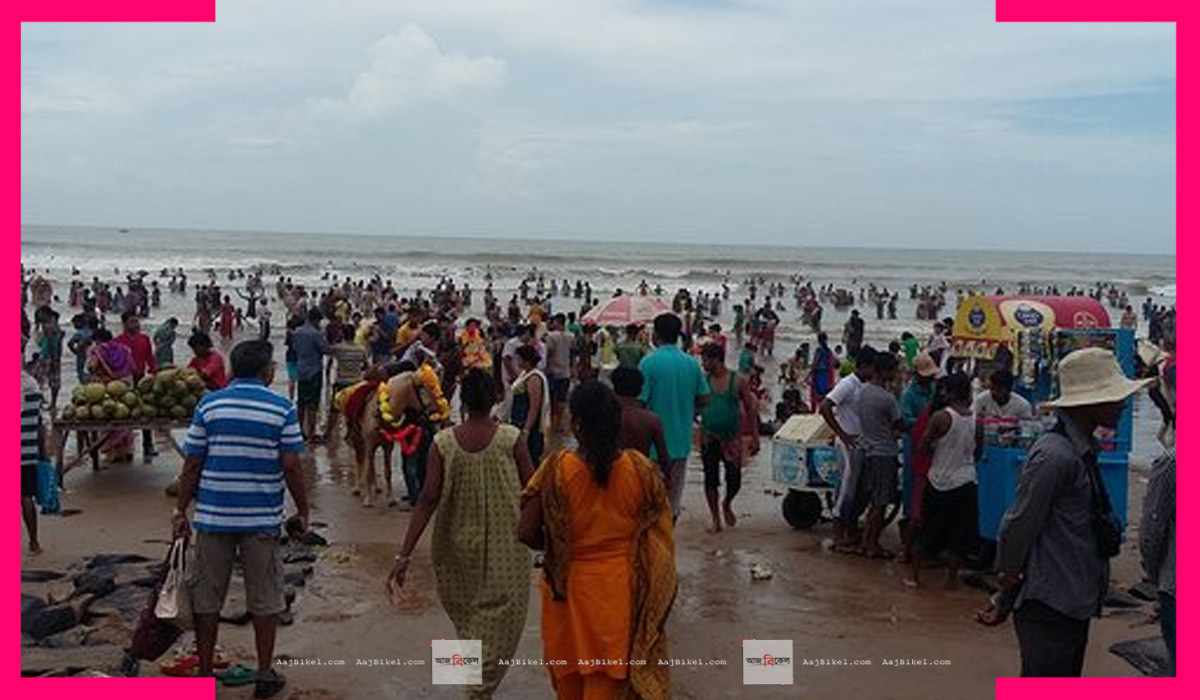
1048	550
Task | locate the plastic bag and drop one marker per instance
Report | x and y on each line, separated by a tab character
174	603
47	488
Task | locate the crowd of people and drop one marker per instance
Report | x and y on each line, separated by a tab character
573	439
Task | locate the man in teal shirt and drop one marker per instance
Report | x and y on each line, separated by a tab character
675	390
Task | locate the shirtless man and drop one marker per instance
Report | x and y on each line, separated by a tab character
641	429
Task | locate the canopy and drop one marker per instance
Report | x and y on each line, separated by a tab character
984	323
626	309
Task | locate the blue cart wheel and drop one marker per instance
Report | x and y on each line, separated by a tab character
802	509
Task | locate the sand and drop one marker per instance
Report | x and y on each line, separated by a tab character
833	606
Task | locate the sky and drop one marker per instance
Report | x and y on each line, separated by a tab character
908	123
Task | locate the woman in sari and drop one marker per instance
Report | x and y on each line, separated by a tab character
473	482
604	519
109	361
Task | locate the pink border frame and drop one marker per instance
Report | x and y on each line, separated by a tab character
70	11
205	11
1130	11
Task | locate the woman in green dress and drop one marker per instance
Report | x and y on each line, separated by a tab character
474	480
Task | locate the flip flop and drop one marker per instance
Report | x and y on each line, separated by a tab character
236	676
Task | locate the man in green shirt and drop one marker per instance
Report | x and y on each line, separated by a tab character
675	389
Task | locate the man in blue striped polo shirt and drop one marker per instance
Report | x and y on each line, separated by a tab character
32	449
242	447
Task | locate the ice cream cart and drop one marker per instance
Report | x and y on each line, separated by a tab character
805	460
1031	335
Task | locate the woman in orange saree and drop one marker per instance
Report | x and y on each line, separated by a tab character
604	519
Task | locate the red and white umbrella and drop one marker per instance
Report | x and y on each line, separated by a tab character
626	309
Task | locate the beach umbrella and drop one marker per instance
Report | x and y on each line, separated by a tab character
627	309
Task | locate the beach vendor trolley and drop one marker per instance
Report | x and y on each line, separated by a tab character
1031	335
805	460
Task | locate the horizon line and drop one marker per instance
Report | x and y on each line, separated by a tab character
641	241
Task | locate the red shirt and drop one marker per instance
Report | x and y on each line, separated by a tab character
212	368
143	353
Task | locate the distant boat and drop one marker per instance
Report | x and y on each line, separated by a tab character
124	230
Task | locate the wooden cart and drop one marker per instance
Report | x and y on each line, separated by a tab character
91	436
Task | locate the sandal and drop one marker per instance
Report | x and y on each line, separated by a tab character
188	666
236	676
269	687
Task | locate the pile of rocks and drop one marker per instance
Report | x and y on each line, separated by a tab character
81	620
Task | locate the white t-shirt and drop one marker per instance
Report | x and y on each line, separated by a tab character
844	395
985	407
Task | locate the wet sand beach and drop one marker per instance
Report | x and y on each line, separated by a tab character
834	607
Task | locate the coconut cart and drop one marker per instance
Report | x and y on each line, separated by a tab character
98	412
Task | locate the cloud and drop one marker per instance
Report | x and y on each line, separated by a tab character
408	67
70	94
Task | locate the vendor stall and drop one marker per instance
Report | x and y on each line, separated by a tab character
1029	336
92	436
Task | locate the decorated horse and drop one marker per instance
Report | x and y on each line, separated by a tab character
388	413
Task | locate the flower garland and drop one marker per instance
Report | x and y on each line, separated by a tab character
426	378
441	412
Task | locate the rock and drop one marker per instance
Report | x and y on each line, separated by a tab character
30	607
234	612
99	582
1146	655
103	560
1117	599
40	576
53	620
296	554
37	661
142	575
1144	590
68	639
124	603
60	592
312	539
110	631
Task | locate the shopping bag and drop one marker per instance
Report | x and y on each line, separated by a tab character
174	603
153	637
47	488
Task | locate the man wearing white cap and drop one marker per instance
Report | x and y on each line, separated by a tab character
1056	539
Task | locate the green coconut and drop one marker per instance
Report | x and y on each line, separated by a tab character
149	411
117	389
68	412
146	385
98	413
95	392
166	401
179	412
130	399
120	411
